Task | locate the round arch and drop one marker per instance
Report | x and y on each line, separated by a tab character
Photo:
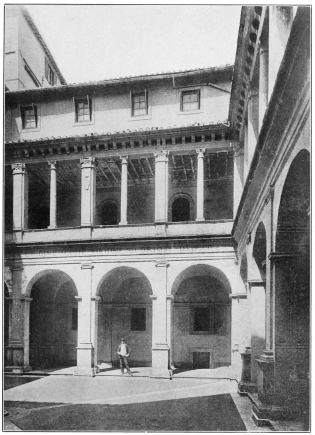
53	320
125	310
181	205
201	318
292	282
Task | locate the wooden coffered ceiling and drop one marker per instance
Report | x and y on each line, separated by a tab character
141	170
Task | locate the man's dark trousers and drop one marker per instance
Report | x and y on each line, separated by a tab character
123	360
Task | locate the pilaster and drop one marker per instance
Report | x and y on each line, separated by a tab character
160	345
85	349
123	191
161	186
88	191
53	196
20	197
200	185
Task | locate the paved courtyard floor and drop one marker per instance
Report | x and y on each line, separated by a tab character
123	403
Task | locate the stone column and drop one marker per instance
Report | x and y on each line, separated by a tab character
123	191
161	186
16	343
20	197
94	325
200	185
88	190
53	195
160	347
263	81
85	349
26	317
238	177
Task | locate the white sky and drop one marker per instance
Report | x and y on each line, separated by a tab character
100	42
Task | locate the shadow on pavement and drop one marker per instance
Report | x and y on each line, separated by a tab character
206	413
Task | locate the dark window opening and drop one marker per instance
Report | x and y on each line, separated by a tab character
50	75
210	320
181	210
29	116
138	319
74	319
202	319
139	103
40	218
83	110
190	100
109	214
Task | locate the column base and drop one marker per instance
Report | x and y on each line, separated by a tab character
200	219
18	370
160	361
161	373
244	388
85	360
263	414
84	371
160	229
123	223
52	227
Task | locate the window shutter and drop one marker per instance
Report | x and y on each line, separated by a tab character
146	101
89	106
75	111
131	108
46	68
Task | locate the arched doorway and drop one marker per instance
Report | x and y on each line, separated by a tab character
53	321
292	287
125	310
201	319
181	209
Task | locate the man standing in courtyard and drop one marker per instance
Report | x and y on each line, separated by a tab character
123	352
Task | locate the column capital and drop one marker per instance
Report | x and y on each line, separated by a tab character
78	298
87	162
238	296
162	263
170	297
52	164
26	299
87	266
16	268
201	153
18	168
153	297
96	298
124	159
161	155
256	283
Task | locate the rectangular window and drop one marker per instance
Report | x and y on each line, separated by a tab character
83	110
201	319
139	103
29	116
190	100
49	74
74	319
138	319
211	320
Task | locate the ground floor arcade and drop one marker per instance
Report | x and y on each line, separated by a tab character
175	311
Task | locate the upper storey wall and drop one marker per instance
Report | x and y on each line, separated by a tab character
22	45
111	112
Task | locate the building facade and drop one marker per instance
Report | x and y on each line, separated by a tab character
28	62
171	209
